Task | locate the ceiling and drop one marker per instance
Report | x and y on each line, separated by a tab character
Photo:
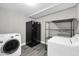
25	9
52	10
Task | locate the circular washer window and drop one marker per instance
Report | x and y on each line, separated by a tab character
11	46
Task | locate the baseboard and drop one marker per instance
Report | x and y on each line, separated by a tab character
22	44
42	42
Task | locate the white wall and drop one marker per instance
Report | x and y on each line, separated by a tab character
68	13
78	17
12	22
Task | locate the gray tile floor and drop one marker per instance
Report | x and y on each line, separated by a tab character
38	50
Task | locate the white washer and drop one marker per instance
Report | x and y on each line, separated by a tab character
10	44
63	46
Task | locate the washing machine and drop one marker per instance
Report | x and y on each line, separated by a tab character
10	44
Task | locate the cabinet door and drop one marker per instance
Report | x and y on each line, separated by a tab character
38	32
28	32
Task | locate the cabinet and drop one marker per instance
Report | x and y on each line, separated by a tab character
33	31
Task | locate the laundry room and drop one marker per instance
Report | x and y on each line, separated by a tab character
39	29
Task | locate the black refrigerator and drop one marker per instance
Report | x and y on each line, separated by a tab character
33	33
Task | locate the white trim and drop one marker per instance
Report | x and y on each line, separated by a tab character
43	42
45	9
22	44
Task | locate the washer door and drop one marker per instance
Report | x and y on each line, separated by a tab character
11	46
